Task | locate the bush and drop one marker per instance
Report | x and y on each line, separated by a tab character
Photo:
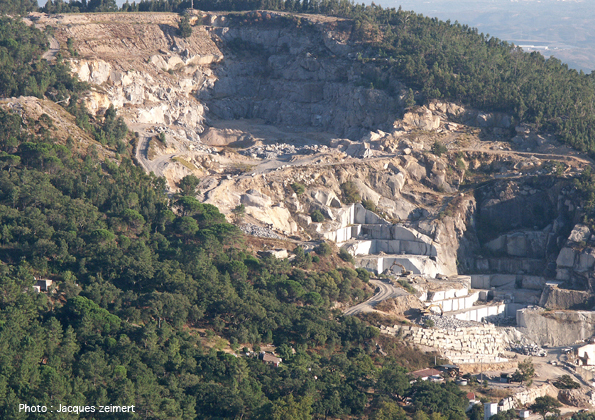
429	323
407	286
184	28
323	249
566	382
350	193
369	205
317	216
438	148
315	259
363	274
461	164
346	256
298	188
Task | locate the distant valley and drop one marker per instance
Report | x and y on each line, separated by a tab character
560	28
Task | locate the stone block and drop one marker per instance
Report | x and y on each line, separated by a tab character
563	274
566	257
586	260
480	281
503	280
533	282
403	233
516	245
498	244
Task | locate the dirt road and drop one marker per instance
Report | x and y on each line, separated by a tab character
385	291
50	55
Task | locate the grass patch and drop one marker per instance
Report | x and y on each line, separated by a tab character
241	168
185	163
405	285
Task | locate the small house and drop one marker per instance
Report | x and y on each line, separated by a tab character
270	359
43	284
425	374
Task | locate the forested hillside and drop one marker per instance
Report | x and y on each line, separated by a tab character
153	294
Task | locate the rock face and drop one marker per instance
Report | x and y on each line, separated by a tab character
576	398
576	261
555	328
290	78
422	119
555	298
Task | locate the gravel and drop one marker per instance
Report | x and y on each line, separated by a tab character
261	232
447	322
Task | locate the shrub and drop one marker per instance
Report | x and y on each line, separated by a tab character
363	274
407	286
369	205
566	382
315	259
323	249
429	323
317	216
461	164
346	256
438	148
298	188
184	28
350	192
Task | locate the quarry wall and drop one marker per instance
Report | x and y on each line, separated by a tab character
555	328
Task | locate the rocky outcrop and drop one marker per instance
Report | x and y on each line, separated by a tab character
289	78
531	244
422	119
555	328
577	398
576	261
555	298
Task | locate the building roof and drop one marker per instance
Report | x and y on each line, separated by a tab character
424	373
470	395
270	358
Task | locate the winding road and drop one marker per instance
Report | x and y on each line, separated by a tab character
157	165
386	291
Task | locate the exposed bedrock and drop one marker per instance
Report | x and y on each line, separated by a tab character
521	225
556	328
287	76
556	298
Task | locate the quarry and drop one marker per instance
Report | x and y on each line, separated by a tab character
470	225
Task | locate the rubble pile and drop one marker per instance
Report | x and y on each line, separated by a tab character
447	322
261	232
273	151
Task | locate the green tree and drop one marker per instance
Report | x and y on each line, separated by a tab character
184	28
188	185
525	371
389	411
393	380
288	408
545	405
239	212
